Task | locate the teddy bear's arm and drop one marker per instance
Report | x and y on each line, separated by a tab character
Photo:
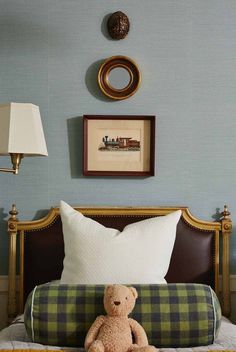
140	337
93	331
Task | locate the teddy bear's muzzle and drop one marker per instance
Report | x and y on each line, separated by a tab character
117	303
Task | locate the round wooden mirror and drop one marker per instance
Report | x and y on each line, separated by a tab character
119	77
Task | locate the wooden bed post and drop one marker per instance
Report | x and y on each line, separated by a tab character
12	231
226	231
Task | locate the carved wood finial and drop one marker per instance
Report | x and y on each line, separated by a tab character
13	212
225	214
12	219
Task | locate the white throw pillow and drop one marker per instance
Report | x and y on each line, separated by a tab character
95	254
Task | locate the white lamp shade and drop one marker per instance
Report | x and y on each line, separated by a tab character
21	130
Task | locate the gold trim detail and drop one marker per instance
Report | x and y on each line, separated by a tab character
121	211
119	62
226	232
12	231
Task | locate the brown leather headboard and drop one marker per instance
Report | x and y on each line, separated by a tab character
195	256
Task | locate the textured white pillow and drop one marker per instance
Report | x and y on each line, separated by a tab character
95	254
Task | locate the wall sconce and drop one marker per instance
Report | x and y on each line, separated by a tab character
21	133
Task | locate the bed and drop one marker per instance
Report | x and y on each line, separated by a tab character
196	258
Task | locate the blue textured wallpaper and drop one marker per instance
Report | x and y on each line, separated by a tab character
50	51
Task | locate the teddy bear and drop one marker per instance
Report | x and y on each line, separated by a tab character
116	332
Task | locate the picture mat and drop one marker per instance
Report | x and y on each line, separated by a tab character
118	160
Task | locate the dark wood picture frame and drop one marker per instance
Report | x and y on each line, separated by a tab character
119	145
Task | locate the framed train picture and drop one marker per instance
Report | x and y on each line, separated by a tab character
117	145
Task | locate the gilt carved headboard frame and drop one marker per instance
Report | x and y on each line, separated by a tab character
187	261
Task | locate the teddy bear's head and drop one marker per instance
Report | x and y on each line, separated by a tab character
119	300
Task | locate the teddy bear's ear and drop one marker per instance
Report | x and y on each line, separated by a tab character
134	292
107	289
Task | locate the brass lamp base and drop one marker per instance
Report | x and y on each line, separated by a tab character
16	160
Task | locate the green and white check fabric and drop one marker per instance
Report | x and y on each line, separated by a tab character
173	315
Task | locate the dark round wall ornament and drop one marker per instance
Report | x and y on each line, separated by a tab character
118	25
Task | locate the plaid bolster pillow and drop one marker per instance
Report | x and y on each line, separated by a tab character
173	315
